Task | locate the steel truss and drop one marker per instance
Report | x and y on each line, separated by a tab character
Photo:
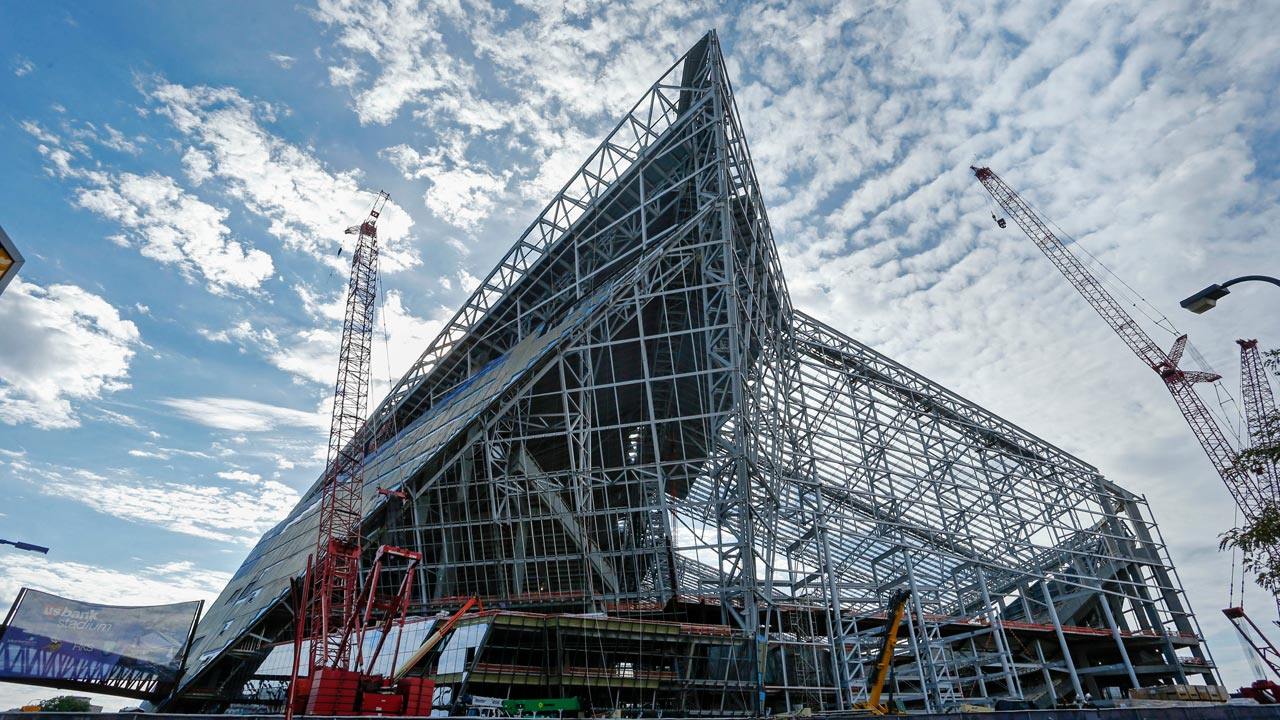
628	418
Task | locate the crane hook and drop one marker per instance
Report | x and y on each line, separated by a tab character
999	221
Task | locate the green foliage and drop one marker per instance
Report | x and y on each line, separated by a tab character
64	703
1257	542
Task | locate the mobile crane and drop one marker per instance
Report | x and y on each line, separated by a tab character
1252	491
1249	494
334	609
884	658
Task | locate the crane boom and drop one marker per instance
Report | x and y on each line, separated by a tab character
1247	493
336	579
897	607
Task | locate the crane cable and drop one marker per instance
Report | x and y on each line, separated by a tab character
1223	397
1235	552
1125	290
386	343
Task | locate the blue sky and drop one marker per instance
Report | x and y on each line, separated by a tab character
179	175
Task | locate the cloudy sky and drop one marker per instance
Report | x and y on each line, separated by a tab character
179	176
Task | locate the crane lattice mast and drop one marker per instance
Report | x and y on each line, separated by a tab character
1259	409
336	580
1248	494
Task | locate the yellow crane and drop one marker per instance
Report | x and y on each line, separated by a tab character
880	672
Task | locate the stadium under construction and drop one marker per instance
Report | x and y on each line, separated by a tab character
672	492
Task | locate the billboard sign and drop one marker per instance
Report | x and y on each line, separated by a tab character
10	260
134	651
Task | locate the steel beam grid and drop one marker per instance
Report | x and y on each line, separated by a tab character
647	121
820	457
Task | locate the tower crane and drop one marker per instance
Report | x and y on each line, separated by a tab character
334	611
1259	412
1249	494
336	576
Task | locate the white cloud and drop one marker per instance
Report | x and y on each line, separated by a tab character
238	515
563	64
177	581
461	193
117	419
174	227
39	133
563	75
310	354
23	66
166	223
116	140
125	584
75	347
308	206
198	166
241	476
284	61
241	415
394	34
242	332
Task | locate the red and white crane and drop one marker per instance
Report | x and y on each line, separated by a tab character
1251	490
1249	494
336	576
334	609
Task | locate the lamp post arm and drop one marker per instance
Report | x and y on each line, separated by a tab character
1251	278
26	546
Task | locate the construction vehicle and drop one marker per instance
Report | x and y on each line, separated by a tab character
884	659
550	708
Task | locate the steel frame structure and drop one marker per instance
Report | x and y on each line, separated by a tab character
629	419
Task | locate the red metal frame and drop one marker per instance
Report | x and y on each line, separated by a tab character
1259	642
394	609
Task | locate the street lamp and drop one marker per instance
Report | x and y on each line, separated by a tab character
1207	298
26	546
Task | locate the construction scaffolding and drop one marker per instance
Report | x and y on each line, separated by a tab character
673	492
